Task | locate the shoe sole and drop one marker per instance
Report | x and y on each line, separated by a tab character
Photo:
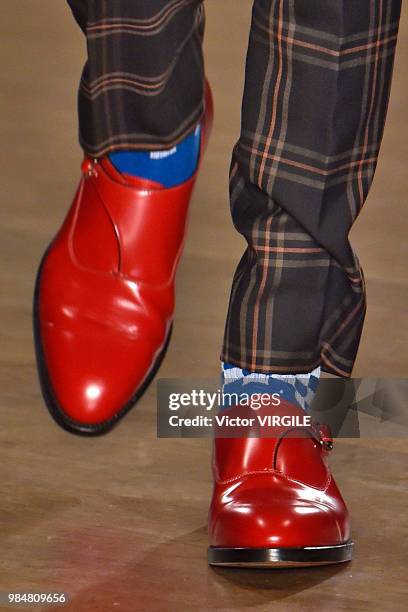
280	557
54	408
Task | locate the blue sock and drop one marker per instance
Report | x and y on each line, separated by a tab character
298	389
167	167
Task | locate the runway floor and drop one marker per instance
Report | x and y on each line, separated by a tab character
119	523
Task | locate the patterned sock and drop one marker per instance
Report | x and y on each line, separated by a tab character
167	167
297	389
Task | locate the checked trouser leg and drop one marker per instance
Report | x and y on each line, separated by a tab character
318	78
142	84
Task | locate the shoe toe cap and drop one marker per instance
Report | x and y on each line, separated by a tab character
90	378
268	518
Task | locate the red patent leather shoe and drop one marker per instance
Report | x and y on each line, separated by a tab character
104	297
275	503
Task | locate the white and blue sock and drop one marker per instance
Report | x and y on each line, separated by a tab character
298	389
168	167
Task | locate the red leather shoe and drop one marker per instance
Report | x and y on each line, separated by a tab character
275	503
104	297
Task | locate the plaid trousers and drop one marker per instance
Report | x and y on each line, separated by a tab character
317	83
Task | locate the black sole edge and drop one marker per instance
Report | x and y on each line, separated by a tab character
57	413
280	557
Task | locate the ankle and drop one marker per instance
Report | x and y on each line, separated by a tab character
298	389
167	167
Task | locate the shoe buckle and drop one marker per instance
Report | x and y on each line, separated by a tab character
325	437
89	167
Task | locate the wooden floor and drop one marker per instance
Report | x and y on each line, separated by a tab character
120	522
